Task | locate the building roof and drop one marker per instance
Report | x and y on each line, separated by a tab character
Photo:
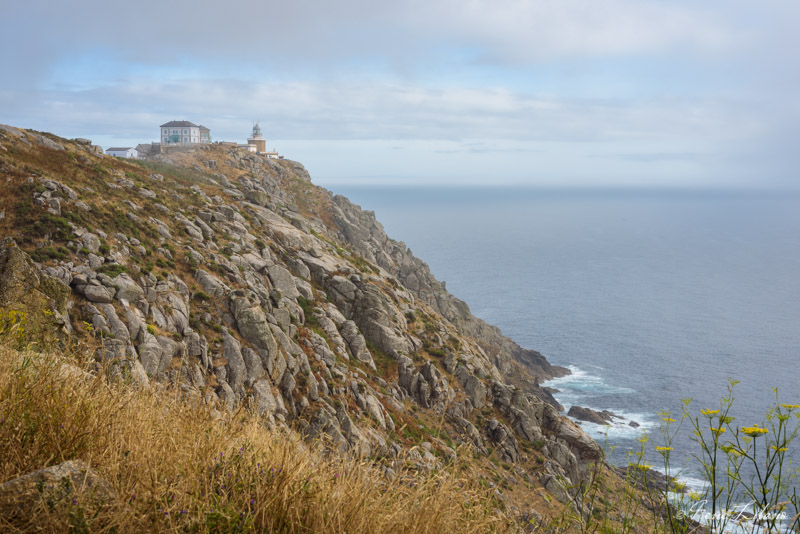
178	124
204	129
118	149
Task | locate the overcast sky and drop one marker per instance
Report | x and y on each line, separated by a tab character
541	92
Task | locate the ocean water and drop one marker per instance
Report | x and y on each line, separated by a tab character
649	297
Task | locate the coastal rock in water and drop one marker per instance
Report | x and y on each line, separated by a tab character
587	414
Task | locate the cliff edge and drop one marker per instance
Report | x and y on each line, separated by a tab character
233	277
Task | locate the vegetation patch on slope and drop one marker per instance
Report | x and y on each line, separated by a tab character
174	464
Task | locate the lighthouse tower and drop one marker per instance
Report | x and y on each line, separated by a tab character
257	140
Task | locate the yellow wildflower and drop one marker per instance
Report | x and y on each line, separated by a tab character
663	449
717	431
754	431
790	406
709	412
781	449
668	419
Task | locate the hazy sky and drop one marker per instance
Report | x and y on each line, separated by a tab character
545	92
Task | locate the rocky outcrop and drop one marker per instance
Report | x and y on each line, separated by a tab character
428	388
503	438
52	485
42	299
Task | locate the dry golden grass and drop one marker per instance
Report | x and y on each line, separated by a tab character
174	467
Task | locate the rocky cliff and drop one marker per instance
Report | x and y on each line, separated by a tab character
233	277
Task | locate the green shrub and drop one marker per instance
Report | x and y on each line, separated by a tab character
112	269
311	321
50	253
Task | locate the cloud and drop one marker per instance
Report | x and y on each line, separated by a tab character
523	31
641	83
278	34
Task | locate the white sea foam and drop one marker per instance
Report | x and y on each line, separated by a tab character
581	382
618	429
695	484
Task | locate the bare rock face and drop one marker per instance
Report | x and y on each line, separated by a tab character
507	446
127	289
211	284
473	387
150	354
10	130
18	275
356	343
252	323
237	370
523	412
24	289
467	429
571	447
47	142
326	426
69	480
264	399
95	292
283	281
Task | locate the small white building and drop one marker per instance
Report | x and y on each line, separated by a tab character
184	132
122	152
